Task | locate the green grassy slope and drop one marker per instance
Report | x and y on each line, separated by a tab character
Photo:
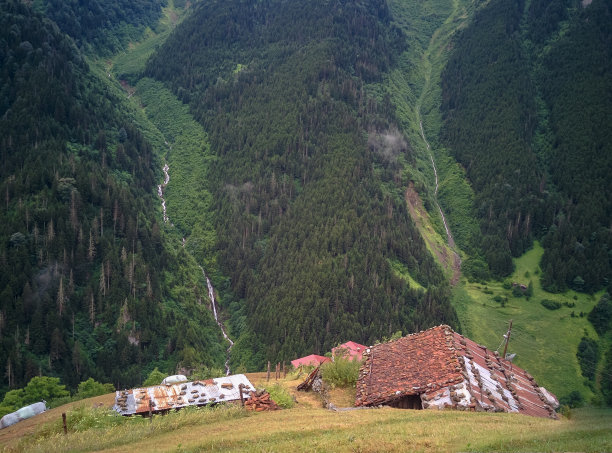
129	64
189	203
308	427
414	88
545	340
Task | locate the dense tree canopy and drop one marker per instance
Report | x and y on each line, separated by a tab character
104	25
305	230
85	286
527	112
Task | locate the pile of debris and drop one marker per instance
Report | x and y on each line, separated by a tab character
314	381
260	401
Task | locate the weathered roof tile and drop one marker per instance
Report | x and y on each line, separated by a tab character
431	360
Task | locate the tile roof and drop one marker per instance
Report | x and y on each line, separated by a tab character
448	370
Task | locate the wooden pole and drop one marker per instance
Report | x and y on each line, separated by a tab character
268	371
150	411
507	339
64	423
241	395
284	370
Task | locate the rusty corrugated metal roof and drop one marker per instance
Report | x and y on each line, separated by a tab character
176	396
448	370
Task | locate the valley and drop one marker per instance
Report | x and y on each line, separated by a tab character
322	173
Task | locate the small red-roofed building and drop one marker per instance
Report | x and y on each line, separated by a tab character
349	350
310	360
440	369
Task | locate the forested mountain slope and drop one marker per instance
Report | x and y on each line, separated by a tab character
489	121
305	229
527	111
527	105
88	284
102	26
573	71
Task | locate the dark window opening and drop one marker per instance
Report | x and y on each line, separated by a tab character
408	402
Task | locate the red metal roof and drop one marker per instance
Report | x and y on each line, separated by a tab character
447	369
311	359
351	348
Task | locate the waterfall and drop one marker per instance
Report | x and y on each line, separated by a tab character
160	191
211	290
213	302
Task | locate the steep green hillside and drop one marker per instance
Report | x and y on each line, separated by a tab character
102	26
305	231
573	72
88	284
526	104
414	87
489	119
545	341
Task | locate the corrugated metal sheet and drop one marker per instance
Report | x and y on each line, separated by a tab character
195	393
498	384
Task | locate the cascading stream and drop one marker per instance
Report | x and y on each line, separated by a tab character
213	302
211	290
160	191
449	236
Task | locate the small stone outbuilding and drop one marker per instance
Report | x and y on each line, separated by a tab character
439	368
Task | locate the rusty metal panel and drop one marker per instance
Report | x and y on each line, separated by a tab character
195	393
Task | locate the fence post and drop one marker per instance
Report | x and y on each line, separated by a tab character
268	371
241	395
64	423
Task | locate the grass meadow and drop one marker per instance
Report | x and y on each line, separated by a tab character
545	341
310	427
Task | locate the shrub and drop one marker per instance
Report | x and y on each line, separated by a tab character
205	372
39	388
155	378
573	399
550	304
90	388
341	372
601	315
588	356
281	396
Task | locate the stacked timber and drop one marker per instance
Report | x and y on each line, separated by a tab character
260	401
